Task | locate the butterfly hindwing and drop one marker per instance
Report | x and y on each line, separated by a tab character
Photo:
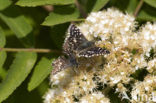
92	51
60	64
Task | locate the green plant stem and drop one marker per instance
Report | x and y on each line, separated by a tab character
138	8
29	50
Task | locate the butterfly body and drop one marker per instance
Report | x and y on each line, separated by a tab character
76	46
85	45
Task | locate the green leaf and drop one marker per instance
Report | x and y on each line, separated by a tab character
3	54
121	4
143	15
131	6
3	73
2	38
62	14
17	23
43	87
43	2
41	71
99	4
147	13
4	4
95	5
151	2
19	70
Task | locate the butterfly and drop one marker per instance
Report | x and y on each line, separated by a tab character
76	46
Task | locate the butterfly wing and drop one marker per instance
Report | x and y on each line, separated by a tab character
76	43
60	64
92	51
73	40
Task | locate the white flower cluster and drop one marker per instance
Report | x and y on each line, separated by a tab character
104	24
147	37
95	98
152	66
144	91
130	51
79	89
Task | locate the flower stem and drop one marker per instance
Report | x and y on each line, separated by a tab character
28	50
138	8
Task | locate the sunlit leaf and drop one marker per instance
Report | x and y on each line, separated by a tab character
41	71
4	4
43	2
151	2
2	38
3	56
2	53
95	5
18	24
99	4
3	73
62	14
19	70
131	6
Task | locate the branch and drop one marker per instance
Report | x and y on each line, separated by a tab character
29	50
48	8
138	8
83	13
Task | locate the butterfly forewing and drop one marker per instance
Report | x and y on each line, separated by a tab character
73	40
92	51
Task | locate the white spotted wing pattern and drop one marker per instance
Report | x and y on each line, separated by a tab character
75	46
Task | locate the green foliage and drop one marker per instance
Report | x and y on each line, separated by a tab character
2	38
17	73
41	71
17	23
2	58
24	24
132	6
151	2
95	5
3	73
61	15
4	4
3	54
147	13
43	2
99	4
